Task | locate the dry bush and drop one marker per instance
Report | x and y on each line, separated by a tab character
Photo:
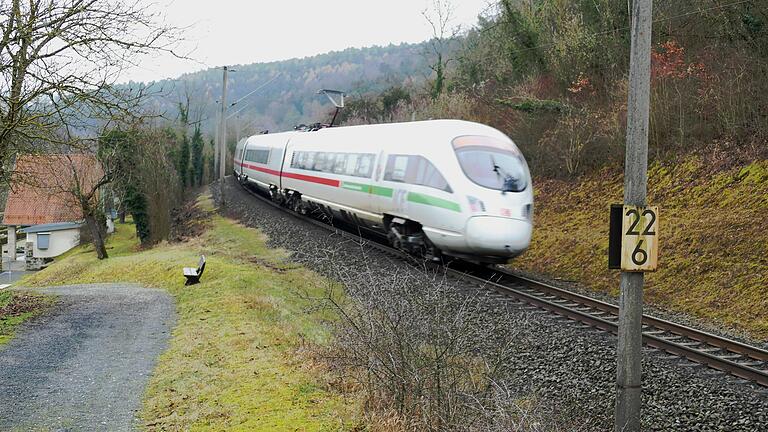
427	355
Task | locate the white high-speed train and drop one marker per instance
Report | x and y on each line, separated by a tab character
436	187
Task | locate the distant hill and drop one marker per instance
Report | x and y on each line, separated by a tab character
292	98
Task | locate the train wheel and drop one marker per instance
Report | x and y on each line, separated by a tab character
430	251
394	240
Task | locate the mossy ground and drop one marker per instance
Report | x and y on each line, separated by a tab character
237	358
713	256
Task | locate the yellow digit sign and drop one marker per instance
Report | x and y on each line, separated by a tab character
640	239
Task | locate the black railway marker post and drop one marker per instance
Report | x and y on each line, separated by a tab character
638	228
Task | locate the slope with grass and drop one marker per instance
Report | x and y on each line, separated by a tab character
713	258
240	356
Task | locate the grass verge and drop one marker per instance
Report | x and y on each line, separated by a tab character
240	355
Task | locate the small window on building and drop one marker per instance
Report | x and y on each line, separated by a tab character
43	240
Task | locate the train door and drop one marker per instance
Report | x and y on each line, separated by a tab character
239	157
381	194
392	191
419	192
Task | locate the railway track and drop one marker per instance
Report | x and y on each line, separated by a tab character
705	349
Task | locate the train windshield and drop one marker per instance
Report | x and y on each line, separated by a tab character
492	163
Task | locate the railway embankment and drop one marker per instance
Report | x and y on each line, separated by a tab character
553	374
713	262
241	354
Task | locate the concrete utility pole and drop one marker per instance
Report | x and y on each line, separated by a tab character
216	147
629	350
223	129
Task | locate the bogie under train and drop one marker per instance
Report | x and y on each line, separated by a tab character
435	187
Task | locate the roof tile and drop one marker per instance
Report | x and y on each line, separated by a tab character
40	187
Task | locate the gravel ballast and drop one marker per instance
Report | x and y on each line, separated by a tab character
84	364
561	362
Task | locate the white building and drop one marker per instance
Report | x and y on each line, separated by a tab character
40	199
48	241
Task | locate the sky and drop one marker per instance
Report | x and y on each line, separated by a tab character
230	32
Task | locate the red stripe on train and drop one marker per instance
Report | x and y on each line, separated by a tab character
302	177
260	169
313	179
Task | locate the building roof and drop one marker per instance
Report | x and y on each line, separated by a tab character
58	226
41	185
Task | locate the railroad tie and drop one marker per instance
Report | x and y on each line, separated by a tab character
655	332
691	344
730	356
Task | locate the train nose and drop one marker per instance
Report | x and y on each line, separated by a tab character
498	236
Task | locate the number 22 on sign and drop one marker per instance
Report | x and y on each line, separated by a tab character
640	243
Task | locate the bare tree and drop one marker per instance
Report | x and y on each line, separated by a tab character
440	15
59	61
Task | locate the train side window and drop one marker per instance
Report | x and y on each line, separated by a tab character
364	165
261	156
305	160
416	170
396	168
351	166
424	173
317	160
340	163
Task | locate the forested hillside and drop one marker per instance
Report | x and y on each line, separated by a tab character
553	75
291	98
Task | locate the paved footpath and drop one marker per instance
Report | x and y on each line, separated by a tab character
84	365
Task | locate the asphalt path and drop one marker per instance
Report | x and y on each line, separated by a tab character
84	364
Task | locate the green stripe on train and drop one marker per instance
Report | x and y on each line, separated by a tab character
382	191
412	196
433	201
360	187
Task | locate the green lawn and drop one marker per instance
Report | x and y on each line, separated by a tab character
240	357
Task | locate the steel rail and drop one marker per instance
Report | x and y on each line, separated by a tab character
584	309
723	363
648	320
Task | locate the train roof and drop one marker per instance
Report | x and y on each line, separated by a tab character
430	136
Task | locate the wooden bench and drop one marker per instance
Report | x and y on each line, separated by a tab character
193	274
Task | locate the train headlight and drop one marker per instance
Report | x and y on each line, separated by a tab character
476	205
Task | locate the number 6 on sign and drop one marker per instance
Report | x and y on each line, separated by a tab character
640	238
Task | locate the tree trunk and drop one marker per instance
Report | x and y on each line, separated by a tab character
97	235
